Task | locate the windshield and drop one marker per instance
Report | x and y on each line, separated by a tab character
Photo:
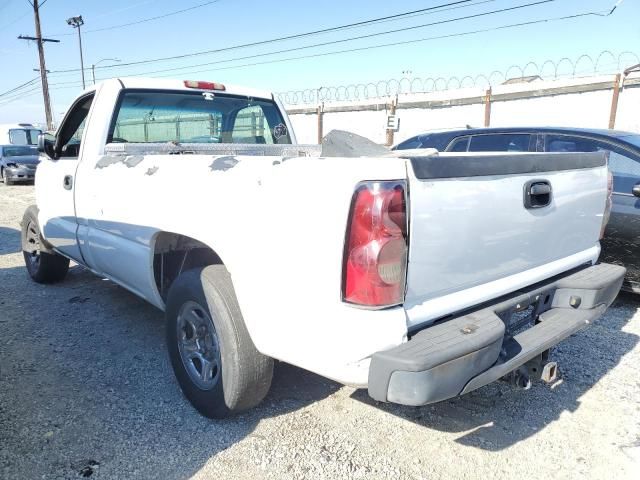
197	117
24	136
632	139
18	151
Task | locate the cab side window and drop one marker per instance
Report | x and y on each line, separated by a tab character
69	136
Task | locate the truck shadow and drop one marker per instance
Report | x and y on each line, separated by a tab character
498	415
86	385
9	240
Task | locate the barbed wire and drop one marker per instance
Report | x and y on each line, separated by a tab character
605	62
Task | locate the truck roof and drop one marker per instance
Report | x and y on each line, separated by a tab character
175	84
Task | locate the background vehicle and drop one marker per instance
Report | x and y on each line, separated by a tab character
19	134
378	272
18	163
621	243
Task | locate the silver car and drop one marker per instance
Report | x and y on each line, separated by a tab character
18	163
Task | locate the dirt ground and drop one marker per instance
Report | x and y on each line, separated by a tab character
86	390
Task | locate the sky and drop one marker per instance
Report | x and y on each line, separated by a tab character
217	25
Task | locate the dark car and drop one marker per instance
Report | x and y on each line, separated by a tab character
18	163
622	237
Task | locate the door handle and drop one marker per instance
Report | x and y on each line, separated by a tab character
537	194
540	189
636	190
67	182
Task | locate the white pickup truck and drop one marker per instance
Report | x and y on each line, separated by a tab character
419	278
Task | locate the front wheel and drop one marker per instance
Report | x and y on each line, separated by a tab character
3	177
218	367
43	264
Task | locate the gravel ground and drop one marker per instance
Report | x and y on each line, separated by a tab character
86	390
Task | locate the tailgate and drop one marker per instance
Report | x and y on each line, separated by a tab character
480	225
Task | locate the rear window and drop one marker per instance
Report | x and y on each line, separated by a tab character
24	136
196	117
511	142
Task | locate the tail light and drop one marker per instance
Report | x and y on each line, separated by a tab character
608	204
375	256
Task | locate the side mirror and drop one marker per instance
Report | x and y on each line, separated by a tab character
46	145
636	190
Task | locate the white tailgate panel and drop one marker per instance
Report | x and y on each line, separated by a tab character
472	231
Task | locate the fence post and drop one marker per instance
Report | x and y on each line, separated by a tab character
614	102
392	111
320	113
487	107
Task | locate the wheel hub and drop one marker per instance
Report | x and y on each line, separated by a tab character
198	345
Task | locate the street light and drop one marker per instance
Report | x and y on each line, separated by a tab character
77	22
93	67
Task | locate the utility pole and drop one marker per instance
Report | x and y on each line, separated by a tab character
77	22
43	69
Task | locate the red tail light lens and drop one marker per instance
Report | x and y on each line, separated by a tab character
375	257
204	85
608	205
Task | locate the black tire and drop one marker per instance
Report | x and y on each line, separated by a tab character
243	375
43	264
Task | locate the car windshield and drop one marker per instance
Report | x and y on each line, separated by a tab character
18	151
633	139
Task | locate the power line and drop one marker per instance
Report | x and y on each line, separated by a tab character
144	20
14	21
30	82
350	39
279	39
406	42
345	51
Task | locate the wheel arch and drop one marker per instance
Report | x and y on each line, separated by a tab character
173	253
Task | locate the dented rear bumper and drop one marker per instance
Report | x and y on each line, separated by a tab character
461	354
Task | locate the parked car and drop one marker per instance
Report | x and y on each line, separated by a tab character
275	250
18	163
621	243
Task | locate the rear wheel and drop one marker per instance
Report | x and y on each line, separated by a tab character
43	264
218	367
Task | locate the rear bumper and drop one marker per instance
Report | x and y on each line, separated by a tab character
459	355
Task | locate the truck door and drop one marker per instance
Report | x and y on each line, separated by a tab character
55	182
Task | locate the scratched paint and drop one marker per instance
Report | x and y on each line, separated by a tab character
133	160
129	161
108	160
223	164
